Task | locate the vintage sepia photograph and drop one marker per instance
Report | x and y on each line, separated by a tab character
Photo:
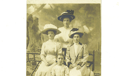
63	39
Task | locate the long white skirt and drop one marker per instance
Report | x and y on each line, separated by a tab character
75	72
84	71
43	69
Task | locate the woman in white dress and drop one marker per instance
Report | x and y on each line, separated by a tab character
49	51
66	18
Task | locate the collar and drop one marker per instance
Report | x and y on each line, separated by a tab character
67	28
51	40
76	43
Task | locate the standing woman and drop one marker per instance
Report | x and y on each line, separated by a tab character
78	55
66	18
49	51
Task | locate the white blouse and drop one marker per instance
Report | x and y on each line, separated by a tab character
77	48
64	33
63	37
60	70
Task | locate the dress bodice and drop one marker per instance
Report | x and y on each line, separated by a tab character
64	33
63	37
60	70
50	47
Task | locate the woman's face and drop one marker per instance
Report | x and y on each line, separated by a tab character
51	34
76	38
66	22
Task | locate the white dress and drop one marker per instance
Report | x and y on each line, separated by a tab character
75	72
63	37
60	70
49	52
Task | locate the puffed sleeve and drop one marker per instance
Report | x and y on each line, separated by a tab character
43	54
58	38
85	54
58	47
66	71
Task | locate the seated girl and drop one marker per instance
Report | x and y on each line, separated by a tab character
60	69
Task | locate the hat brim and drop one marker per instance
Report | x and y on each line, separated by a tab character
50	29
71	17
80	33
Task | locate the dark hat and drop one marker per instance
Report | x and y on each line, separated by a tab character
76	31
68	13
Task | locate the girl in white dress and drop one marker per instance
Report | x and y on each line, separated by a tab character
60	69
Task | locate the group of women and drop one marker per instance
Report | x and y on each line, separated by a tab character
68	38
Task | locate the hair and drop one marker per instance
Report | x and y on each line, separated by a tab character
66	17
51	30
78	34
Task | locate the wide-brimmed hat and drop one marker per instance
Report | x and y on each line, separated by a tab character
79	31
68	13
50	27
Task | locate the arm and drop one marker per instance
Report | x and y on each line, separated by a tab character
43	54
56	38
82	61
59	47
85	55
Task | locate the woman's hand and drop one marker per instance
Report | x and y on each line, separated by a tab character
46	63
72	66
78	67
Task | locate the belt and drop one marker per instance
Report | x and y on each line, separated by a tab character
52	54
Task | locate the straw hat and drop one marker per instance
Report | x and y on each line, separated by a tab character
68	13
79	31
50	27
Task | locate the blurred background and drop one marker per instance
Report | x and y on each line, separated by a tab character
87	16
